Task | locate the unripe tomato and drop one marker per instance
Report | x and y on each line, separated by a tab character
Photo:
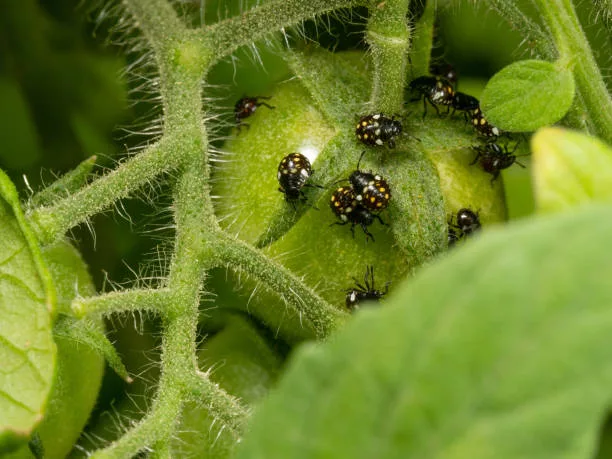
315	114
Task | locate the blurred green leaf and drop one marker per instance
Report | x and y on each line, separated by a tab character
570	169
501	350
27	350
527	95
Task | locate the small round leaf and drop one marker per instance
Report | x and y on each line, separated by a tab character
527	95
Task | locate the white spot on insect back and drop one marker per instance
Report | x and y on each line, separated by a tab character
379	142
377	116
304	172
495	131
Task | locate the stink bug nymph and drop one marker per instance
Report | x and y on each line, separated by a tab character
293	171
464	103
246	106
345	206
445	70
365	291
435	90
482	126
377	129
467	223
493	158
371	190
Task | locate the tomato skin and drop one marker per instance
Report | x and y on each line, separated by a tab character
308	238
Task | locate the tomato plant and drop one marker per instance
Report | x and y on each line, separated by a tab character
487	332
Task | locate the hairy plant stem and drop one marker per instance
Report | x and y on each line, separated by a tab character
575	51
159	423
124	301
182	64
303	300
223	407
157	21
52	222
422	41
226	36
388	35
65	185
535	37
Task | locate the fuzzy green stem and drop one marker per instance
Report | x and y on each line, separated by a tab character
157	20
69	183
388	35
220	405
51	223
574	50
161	450
182	63
422	41
226	36
603	11
535	38
125	301
159	424
303	300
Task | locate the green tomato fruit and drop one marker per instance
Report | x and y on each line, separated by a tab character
315	114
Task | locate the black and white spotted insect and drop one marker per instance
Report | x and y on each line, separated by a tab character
364	292
445	70
435	90
377	129
371	190
483	127
344	204
464	103
493	158
293	172
467	222
246	106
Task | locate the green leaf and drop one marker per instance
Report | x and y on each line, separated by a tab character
27	351
570	169
527	95
501	350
